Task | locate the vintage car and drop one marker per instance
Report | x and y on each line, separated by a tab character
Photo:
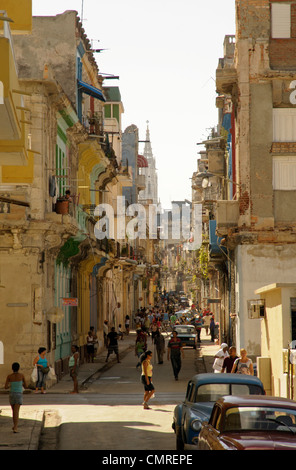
187	334
250	423
203	390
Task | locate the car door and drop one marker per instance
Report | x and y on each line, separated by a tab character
210	433
185	422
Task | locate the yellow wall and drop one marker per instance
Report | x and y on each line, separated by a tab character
272	336
20	11
19	174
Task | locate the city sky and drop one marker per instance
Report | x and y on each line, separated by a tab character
166	53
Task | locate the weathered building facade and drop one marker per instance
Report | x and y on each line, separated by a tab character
58	277
258	222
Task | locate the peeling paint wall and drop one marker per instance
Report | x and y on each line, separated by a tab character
257	266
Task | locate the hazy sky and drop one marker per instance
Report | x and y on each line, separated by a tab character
166	53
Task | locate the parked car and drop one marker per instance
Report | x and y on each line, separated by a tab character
187	334
203	390
184	301
250	423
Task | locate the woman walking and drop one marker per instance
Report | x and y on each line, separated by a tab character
146	378
243	365
16	382
42	369
74	366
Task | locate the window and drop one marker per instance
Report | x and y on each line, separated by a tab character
216	417
293	317
284	173
280	20
190	389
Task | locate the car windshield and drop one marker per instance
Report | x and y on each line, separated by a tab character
189	330
260	419
212	392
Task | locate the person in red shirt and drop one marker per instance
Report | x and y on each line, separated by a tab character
175	349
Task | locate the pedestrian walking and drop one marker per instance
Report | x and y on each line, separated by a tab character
207	320
173	319
198	325
229	360
146	378
212	329
95	341
243	365
74	367
90	347
175	349
112	344
120	332
159	342
153	330
219	358
15	382
139	347
106	331
127	324
42	369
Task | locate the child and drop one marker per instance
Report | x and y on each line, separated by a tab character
16	382
120	332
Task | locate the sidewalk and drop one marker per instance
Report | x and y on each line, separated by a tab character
31	417
88	370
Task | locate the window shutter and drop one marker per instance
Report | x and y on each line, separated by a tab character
284	125
280	20
284	173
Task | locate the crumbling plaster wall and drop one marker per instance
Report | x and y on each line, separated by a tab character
258	266
56	49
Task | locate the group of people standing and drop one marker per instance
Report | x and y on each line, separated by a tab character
227	361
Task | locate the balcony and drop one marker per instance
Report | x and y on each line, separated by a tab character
141	182
226	78
216	155
215	248
13	138
227	216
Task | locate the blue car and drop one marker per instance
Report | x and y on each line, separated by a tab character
203	390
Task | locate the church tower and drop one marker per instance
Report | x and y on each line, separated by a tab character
151	180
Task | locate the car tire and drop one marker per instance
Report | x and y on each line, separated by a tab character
179	441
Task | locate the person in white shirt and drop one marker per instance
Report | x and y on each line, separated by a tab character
219	358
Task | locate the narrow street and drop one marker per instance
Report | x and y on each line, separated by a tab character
107	414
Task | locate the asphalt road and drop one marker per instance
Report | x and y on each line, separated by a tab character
108	413
120	422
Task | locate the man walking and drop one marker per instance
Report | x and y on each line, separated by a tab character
175	349
229	360
112	343
160	346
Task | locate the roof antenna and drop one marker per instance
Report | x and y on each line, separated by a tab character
82	4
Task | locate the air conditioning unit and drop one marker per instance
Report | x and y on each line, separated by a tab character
256	309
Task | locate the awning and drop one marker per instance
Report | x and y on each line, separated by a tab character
142	162
91	90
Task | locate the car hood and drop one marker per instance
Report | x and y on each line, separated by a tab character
259	441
